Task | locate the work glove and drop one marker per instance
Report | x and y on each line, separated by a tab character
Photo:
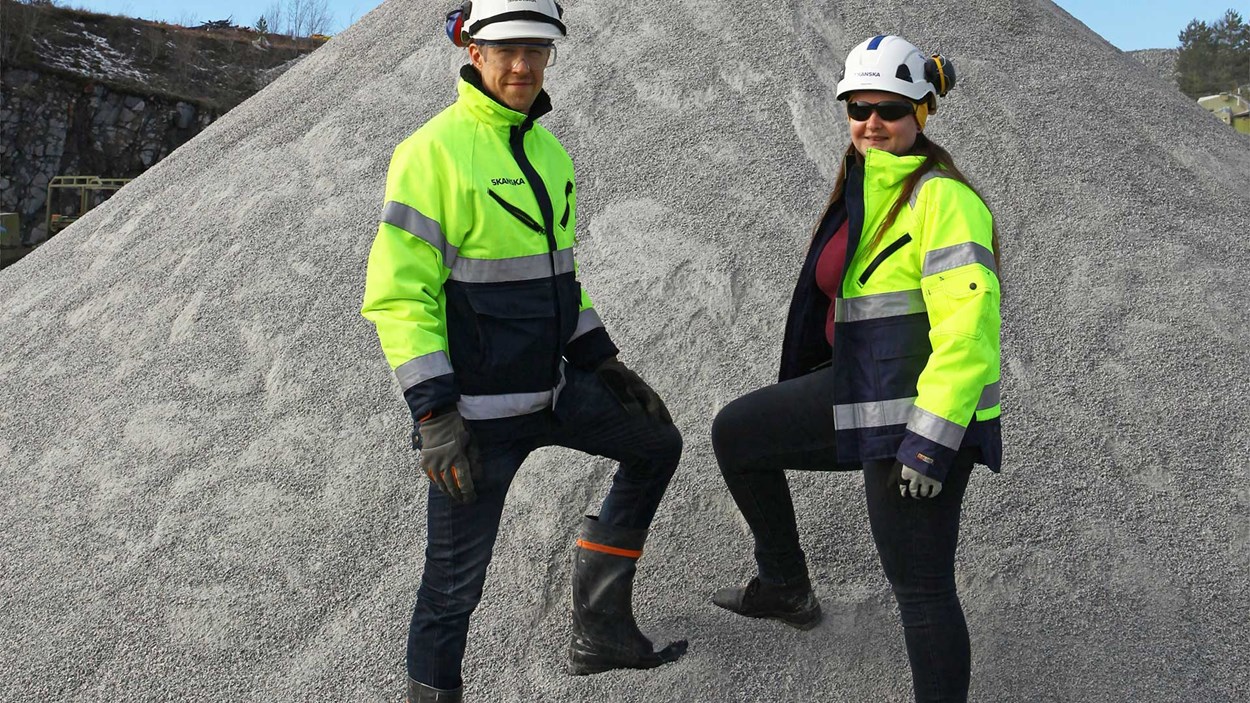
444	445
632	392
911	481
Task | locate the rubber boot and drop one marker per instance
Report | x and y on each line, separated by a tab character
794	604
605	635
420	693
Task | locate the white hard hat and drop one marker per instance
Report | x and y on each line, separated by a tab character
895	65
494	20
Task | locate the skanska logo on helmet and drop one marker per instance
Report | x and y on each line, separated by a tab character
868	74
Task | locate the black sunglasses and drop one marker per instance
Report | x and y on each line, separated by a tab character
888	110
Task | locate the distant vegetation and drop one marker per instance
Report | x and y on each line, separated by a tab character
1215	58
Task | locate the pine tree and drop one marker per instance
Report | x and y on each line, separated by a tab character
1214	58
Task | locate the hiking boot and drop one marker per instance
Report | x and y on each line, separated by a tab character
605	635
794	604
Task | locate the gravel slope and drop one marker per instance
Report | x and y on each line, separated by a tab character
207	490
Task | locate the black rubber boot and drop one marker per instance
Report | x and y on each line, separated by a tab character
420	693
605	635
794	604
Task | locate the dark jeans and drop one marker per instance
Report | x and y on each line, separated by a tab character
790	426
460	538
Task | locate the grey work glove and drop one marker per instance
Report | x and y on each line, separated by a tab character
445	455
911	481
632	392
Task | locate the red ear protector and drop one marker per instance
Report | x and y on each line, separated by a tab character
940	72
456	19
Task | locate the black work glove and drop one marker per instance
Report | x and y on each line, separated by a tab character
632	392
444	445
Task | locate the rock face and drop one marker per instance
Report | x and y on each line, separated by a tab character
54	125
207	490
99	95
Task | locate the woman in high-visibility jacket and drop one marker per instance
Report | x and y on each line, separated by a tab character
890	364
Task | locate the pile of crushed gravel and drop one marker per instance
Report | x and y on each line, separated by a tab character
1160	62
207	490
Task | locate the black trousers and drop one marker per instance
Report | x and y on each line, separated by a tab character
460	539
789	425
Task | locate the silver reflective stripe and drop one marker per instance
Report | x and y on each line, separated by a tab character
413	222
881	413
521	268
951	257
492	407
915	194
587	320
936	429
990	397
422	368
871	307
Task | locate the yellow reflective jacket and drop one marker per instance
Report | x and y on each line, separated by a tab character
916	340
471	281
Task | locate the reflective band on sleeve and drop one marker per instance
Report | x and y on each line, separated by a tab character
878	413
615	551
990	397
422	368
521	268
951	257
871	307
587	320
936	429
493	407
915	193
418	225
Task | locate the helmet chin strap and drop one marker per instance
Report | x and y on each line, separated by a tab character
922	113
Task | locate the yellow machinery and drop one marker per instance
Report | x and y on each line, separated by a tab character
85	185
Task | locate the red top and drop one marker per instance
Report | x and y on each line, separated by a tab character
829	272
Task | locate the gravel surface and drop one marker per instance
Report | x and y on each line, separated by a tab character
207	489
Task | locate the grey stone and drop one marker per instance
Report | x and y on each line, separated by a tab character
205	479
184	115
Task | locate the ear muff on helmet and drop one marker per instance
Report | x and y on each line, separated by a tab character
456	20
940	72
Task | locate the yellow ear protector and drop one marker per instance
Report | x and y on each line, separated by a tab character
940	72
922	112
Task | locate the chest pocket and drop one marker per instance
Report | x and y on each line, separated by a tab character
880	258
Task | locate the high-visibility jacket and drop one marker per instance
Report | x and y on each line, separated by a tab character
915	351
471	280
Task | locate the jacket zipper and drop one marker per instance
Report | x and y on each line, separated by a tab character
568	190
516	140
517	212
885	254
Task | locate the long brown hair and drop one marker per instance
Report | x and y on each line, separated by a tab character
934	157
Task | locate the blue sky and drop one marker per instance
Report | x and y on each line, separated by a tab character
1147	24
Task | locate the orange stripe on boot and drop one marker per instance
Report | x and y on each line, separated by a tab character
615	551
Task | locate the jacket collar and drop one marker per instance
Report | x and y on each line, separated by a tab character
489	110
886	171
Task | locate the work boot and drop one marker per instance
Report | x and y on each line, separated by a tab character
420	693
794	604
605	635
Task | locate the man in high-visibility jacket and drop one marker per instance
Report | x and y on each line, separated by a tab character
472	286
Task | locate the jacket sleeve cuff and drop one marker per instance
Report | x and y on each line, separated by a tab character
432	396
926	456
588	350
